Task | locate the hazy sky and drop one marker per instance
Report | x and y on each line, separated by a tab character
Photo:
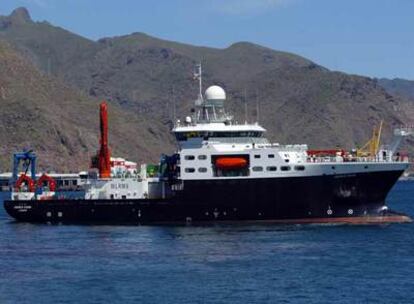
367	37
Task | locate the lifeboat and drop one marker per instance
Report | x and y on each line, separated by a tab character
230	163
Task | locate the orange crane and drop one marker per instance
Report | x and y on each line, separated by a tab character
102	160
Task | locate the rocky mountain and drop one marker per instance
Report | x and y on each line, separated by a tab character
59	123
398	86
144	77
53	49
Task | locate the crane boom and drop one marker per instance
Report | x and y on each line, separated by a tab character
104	158
371	148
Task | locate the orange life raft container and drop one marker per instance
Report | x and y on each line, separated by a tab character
228	163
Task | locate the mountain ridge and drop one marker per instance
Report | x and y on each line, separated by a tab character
398	86
299	100
59	123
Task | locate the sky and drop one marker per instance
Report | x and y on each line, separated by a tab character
366	37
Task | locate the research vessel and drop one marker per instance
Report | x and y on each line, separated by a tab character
226	171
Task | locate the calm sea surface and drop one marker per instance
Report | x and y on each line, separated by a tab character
213	264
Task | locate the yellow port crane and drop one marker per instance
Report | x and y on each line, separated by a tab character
370	149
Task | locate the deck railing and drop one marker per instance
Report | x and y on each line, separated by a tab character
339	159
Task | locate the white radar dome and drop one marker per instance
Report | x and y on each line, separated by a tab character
215	93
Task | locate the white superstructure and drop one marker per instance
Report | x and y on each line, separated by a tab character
211	134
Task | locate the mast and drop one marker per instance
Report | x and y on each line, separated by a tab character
200	81
198	75
174	109
245	106
257	107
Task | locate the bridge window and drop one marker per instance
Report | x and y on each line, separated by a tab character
234	134
285	168
271	168
183	136
180	136
257	169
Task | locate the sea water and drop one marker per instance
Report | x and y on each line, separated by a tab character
42	263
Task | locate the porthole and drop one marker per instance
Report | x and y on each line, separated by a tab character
257	169
189	170
271	168
202	157
202	170
285	168
271	156
257	156
189	157
300	168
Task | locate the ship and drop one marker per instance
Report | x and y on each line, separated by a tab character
225	171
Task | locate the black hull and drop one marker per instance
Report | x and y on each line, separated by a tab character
354	198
